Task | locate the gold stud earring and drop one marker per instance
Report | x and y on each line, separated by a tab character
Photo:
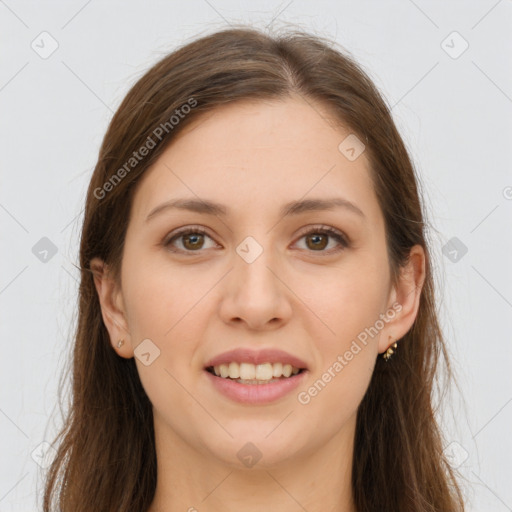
120	343
389	352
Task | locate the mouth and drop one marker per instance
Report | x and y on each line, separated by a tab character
256	377
255	374
255	385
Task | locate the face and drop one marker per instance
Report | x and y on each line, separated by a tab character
310	280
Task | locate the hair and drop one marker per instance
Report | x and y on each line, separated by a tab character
106	458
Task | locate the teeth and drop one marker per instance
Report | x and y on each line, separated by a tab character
247	371
234	370
258	372
277	369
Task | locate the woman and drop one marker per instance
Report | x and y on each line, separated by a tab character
257	326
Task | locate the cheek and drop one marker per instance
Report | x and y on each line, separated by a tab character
350	304
164	306
346	300
331	398
160	296
169	306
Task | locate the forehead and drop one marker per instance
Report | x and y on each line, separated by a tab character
259	155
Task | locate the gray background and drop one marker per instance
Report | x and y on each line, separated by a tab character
453	108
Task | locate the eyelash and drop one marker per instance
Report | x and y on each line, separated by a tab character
324	230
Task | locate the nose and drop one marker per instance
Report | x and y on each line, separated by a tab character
255	294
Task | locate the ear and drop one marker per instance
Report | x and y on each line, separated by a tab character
112	308
405	299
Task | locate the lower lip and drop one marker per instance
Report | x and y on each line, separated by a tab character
256	393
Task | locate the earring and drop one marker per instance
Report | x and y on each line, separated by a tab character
389	352
120	343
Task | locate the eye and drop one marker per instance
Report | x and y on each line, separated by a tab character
317	239
192	240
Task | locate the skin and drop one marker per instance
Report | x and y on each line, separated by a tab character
253	157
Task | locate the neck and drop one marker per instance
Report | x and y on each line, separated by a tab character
316	480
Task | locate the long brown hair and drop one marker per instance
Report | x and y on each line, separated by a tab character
106	456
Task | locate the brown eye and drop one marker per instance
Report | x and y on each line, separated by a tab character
192	240
317	241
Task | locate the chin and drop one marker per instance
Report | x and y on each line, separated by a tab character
255	451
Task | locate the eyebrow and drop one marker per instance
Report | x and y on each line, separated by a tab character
207	207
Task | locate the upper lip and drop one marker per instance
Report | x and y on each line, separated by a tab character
245	355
